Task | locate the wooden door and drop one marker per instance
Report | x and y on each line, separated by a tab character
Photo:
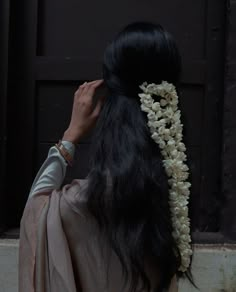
62	44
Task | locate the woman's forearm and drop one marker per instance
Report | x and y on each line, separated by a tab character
52	173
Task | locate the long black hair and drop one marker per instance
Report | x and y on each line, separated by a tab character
128	188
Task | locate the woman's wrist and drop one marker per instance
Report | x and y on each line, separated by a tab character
71	137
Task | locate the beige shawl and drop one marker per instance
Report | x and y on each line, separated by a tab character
61	247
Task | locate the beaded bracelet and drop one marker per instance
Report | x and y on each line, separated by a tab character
64	153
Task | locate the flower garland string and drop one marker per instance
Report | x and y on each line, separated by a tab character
166	129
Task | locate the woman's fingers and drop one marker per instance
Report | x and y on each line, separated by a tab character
91	87
80	90
84	95
84	113
88	93
82	87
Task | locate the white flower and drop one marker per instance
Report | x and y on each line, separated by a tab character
169	113
144	87
169	87
144	108
147	102
174	153
152	87
156	106
155	137
159	90
182	156
151	116
164	121
179	136
174	102
181	147
161	130
162	144
155	124
171	142
144	96
163	102
176	116
159	114
166	134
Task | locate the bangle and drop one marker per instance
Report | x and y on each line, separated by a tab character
64	153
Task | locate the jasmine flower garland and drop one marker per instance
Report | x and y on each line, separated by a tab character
166	129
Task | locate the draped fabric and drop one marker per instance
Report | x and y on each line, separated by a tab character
62	248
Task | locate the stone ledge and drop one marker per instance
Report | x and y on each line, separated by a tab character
214	267
9	242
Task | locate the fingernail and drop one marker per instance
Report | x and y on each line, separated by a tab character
84	84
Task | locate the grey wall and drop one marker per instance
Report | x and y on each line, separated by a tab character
214	268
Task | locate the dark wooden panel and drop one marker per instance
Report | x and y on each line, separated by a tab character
231	44
69	68
229	103
4	35
54	106
192	99
73	69
211	198
208	238
83	28
22	49
194	161
228	222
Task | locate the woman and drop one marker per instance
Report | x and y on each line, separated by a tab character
126	227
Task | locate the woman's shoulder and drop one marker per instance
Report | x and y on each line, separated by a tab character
73	196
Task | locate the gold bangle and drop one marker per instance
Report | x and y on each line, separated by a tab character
64	153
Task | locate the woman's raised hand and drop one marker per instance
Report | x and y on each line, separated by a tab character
84	113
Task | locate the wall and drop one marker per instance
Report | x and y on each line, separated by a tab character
214	268
8	265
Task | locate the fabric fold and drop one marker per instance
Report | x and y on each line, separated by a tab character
62	248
